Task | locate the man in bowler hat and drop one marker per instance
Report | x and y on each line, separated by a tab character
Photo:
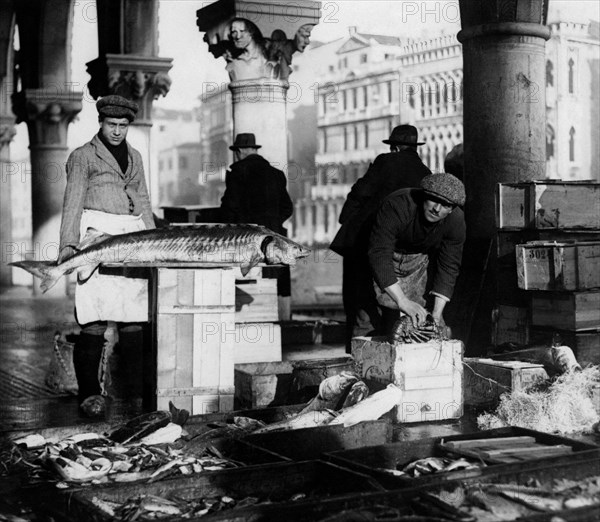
255	191
400	168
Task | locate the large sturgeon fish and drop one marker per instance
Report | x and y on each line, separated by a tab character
243	245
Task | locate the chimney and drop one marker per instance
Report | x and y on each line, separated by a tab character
352	30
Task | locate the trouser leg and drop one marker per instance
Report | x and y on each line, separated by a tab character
86	360
131	355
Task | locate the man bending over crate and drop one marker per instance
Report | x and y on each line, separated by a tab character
413	228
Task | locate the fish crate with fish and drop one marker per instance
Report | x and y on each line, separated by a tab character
435	459
218	496
308	374
429	374
311	443
561	491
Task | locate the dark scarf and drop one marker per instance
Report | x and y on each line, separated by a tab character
119	152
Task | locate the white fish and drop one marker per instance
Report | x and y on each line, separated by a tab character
371	408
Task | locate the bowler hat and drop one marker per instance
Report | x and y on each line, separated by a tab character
404	135
115	106
245	140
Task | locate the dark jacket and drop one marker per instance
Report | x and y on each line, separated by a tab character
401	227
389	172
255	192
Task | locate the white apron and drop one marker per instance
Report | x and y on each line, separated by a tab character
110	297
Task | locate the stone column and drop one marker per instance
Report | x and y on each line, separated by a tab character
7	132
128	65
259	107
504	100
47	115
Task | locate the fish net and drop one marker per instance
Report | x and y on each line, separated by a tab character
565	406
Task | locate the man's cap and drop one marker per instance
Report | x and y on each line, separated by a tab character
115	106
404	135
245	140
445	187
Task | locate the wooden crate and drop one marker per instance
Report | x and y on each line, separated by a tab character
510	325
585	345
428	373
256	342
259	385
573	265
195	310
486	379
548	204
271	485
507	240
374	460
311	443
256	301
566	311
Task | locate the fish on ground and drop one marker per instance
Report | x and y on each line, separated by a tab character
240	244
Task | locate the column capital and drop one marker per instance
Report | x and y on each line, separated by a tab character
142	79
47	114
257	39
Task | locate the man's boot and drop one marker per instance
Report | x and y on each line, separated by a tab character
86	359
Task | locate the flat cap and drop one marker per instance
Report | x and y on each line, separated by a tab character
115	106
446	187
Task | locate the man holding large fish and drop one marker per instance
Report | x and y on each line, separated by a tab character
106	191
107	218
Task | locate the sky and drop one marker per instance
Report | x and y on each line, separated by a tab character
194	67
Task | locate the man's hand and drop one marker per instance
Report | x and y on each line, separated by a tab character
415	311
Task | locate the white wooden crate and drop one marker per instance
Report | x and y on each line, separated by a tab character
195	311
429	374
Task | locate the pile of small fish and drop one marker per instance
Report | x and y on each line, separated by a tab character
404	331
511	501
151	507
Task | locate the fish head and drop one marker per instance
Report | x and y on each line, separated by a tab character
282	250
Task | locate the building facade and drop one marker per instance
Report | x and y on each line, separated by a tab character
373	86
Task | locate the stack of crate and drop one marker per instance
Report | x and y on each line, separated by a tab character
257	331
548	265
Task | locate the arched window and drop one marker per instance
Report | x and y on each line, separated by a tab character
572	144
549	73
549	142
571	76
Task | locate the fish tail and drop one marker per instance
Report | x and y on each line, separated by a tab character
47	271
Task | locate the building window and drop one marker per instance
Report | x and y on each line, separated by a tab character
571	76
366	135
572	144
169	163
549	142
325	141
389	92
356	137
365	96
363	58
344	99
345	138
183	162
549	73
